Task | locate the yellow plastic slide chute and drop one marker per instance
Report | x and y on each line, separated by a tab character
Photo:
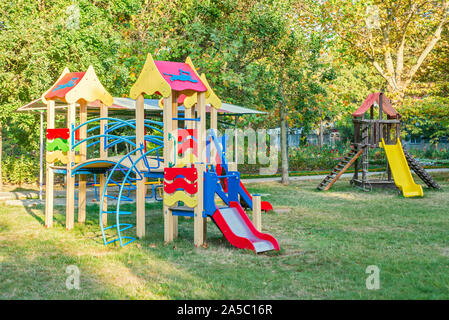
400	170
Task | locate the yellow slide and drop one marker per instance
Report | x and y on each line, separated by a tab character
400	170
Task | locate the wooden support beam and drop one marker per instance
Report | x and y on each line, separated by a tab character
174	106
103	154
344	169
189	113
200	225
49	177
70	180
213	126
232	166
82	185
257	212
140	184
168	157
201	107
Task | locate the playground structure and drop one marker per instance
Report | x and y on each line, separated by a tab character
370	133
189	160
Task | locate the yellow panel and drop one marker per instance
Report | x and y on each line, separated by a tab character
179	195
64	72
190	101
190	63
400	170
58	155
89	89
211	97
150	81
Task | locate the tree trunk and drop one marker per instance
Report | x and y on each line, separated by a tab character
284	154
321	140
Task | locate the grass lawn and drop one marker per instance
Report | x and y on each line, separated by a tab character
327	240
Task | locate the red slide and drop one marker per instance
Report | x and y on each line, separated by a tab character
265	205
240	231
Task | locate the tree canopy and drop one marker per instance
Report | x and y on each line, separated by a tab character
301	61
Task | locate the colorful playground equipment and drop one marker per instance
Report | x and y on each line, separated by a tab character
189	160
370	133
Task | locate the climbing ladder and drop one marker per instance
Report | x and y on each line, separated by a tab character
341	167
135	171
420	172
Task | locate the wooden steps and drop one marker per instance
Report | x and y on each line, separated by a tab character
420	172
340	168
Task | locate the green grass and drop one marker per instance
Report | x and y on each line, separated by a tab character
327	241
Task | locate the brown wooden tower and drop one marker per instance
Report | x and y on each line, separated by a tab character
381	122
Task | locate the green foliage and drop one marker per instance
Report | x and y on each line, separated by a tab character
427	117
430	153
271	55
20	169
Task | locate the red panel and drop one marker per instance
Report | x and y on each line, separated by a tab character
189	173
63	133
67	83
77	134
266	206
190	188
180	76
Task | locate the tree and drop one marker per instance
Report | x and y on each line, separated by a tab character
37	43
395	36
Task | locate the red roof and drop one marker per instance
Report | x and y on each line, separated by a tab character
370	100
67	83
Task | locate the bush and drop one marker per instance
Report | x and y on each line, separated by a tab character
311	157
432	153
20	169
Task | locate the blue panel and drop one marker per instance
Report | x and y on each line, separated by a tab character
182	213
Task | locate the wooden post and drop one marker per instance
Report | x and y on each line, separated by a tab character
257	212
199	223
201	106
236	139
140	184
174	106
356	142
168	154
49	177
103	154
41	153
200	226
213	126
70	180
189	113
232	166
83	154
381	127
